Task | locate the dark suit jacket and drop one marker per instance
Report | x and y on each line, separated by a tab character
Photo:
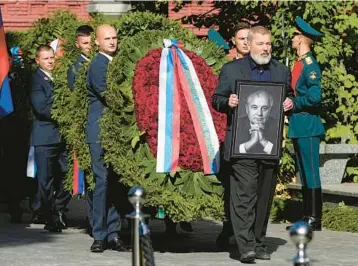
44	129
72	70
240	70
96	84
270	133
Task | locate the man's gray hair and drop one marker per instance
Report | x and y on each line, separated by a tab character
258	94
257	30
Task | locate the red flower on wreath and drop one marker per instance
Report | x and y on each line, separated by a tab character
146	93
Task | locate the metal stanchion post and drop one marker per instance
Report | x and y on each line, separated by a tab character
136	198
301	234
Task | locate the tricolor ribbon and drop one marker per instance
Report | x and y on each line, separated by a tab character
57	47
177	72
78	178
31	163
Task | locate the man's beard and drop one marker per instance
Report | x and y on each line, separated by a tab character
261	60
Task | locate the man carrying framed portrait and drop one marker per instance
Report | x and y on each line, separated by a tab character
253	88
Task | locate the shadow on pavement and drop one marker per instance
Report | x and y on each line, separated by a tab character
12	235
273	244
202	239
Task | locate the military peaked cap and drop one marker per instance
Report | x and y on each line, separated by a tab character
306	29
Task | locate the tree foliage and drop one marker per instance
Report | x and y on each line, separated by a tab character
336	19
184	195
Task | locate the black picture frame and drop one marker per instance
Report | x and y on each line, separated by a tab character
258	120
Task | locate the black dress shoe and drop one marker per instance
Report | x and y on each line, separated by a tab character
248	257
262	255
315	223
98	246
38	218
117	245
53	227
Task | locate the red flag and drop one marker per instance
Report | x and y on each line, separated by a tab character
4	60
6	105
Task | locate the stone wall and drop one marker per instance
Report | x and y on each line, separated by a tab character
192	9
19	14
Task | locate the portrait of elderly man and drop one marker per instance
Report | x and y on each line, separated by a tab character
258	130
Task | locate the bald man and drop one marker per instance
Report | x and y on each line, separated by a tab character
106	220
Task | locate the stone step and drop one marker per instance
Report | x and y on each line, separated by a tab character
346	192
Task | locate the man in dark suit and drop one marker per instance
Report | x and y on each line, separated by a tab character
84	44
259	130
106	220
50	153
239	40
252	182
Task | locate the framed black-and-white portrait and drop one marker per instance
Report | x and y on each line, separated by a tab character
258	120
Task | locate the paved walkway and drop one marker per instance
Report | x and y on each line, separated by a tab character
30	245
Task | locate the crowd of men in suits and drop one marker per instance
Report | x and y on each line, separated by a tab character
51	200
249	183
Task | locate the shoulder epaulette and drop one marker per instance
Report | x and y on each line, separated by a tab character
308	60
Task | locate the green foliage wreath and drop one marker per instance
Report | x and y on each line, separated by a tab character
181	194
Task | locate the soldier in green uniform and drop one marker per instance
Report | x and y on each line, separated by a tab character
305	126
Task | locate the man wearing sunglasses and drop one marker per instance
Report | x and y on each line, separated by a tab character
305	126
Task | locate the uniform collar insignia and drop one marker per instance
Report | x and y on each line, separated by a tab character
308	60
302	57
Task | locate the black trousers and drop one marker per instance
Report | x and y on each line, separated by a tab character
52	161
106	220
252	187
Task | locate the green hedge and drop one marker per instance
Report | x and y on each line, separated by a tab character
338	218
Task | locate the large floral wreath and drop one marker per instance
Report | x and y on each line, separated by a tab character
145	93
128	127
186	194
